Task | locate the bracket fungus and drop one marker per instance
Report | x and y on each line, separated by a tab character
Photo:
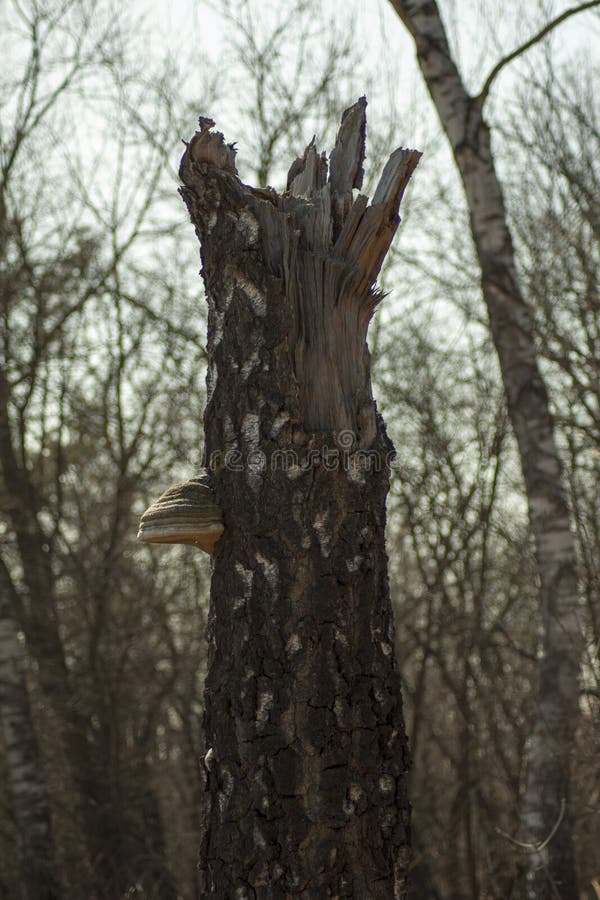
186	513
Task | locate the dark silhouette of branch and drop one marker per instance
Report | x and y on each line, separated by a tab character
550	26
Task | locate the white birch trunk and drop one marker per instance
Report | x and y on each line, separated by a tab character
27	787
545	809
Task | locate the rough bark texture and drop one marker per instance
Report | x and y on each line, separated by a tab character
546	803
28	790
306	750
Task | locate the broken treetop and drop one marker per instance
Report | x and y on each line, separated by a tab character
316	252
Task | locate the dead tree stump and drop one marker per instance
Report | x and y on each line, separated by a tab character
307	756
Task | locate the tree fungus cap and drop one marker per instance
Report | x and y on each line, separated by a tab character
186	513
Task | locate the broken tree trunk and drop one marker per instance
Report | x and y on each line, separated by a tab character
306	750
546	813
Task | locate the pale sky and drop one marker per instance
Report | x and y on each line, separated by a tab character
481	31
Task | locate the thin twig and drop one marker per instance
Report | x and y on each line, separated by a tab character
537	847
483	94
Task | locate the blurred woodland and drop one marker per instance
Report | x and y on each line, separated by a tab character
102	384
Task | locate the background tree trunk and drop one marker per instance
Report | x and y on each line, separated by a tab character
29	795
546	802
306	761
40	625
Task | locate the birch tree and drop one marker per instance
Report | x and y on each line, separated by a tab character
546	817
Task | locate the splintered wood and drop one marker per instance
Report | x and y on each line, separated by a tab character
328	246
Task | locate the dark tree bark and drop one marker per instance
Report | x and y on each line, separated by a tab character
546	814
37	865
307	757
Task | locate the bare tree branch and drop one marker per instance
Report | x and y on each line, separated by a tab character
550	26
537	846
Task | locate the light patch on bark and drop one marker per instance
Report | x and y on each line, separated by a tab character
366	533
341	637
388	818
270	570
323	533
393	738
356	793
251	430
248	227
251	362
257	299
211	380
256	468
355	798
288	722
356	474
224	795
265	704
229	435
353	565
294	644
401	867
259	840
219	319
386	648
387	784
251	438
246	576
280	420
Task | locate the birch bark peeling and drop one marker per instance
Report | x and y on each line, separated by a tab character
306	751
552	869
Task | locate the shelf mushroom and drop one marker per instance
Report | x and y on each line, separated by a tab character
186	513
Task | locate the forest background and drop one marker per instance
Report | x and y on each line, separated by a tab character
102	327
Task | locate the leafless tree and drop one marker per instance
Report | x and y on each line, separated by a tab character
91	343
546	811
558	238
